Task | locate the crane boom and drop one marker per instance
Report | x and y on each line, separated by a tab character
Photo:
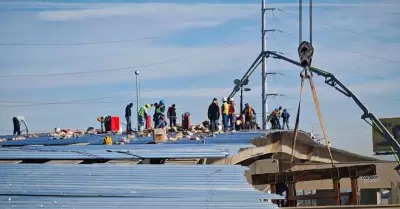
331	80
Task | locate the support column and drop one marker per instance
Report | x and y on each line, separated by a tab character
336	189
354	191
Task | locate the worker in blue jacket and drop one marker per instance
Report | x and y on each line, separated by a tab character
159	116
285	117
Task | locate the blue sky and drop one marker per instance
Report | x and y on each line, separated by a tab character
196	51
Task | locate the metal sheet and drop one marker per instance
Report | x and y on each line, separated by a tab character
114	151
127	186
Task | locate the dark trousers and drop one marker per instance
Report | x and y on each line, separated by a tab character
213	125
225	120
160	123
17	127
128	123
232	120
172	121
285	122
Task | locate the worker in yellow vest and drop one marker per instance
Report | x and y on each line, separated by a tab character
225	113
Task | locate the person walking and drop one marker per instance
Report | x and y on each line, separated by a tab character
225	113
285	118
171	114
128	114
213	115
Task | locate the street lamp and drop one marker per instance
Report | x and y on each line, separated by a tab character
137	99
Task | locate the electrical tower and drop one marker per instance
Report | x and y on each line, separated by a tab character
261	59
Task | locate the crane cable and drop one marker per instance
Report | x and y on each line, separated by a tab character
306	74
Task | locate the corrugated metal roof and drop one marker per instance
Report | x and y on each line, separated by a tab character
127	186
121	151
231	138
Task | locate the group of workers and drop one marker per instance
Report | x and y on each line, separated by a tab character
230	118
276	116
158	116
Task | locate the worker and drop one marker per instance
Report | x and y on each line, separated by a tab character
128	114
159	117
278	117
154	115
171	114
285	118
213	114
248	113
273	119
17	125
102	119
232	113
143	116
225	113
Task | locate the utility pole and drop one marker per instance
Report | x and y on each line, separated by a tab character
261	59
137	99
264	67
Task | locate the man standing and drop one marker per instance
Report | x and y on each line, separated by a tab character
128	114
285	117
143	116
232	113
278	117
171	114
225	113
159	117
213	114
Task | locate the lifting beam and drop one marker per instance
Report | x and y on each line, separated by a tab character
331	80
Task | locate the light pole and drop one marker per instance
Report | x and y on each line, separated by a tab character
137	99
241	98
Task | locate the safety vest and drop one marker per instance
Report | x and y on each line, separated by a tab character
279	113
142	111
232	108
249	111
225	107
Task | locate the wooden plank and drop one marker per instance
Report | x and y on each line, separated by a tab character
10	161
314	174
327	195
63	162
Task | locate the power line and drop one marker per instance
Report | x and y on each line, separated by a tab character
78	43
104	102
85	101
346	50
338	27
118	69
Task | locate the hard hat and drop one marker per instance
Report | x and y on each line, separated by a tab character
147	105
231	99
162	102
224	99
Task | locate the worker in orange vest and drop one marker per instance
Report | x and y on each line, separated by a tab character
249	113
232	113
